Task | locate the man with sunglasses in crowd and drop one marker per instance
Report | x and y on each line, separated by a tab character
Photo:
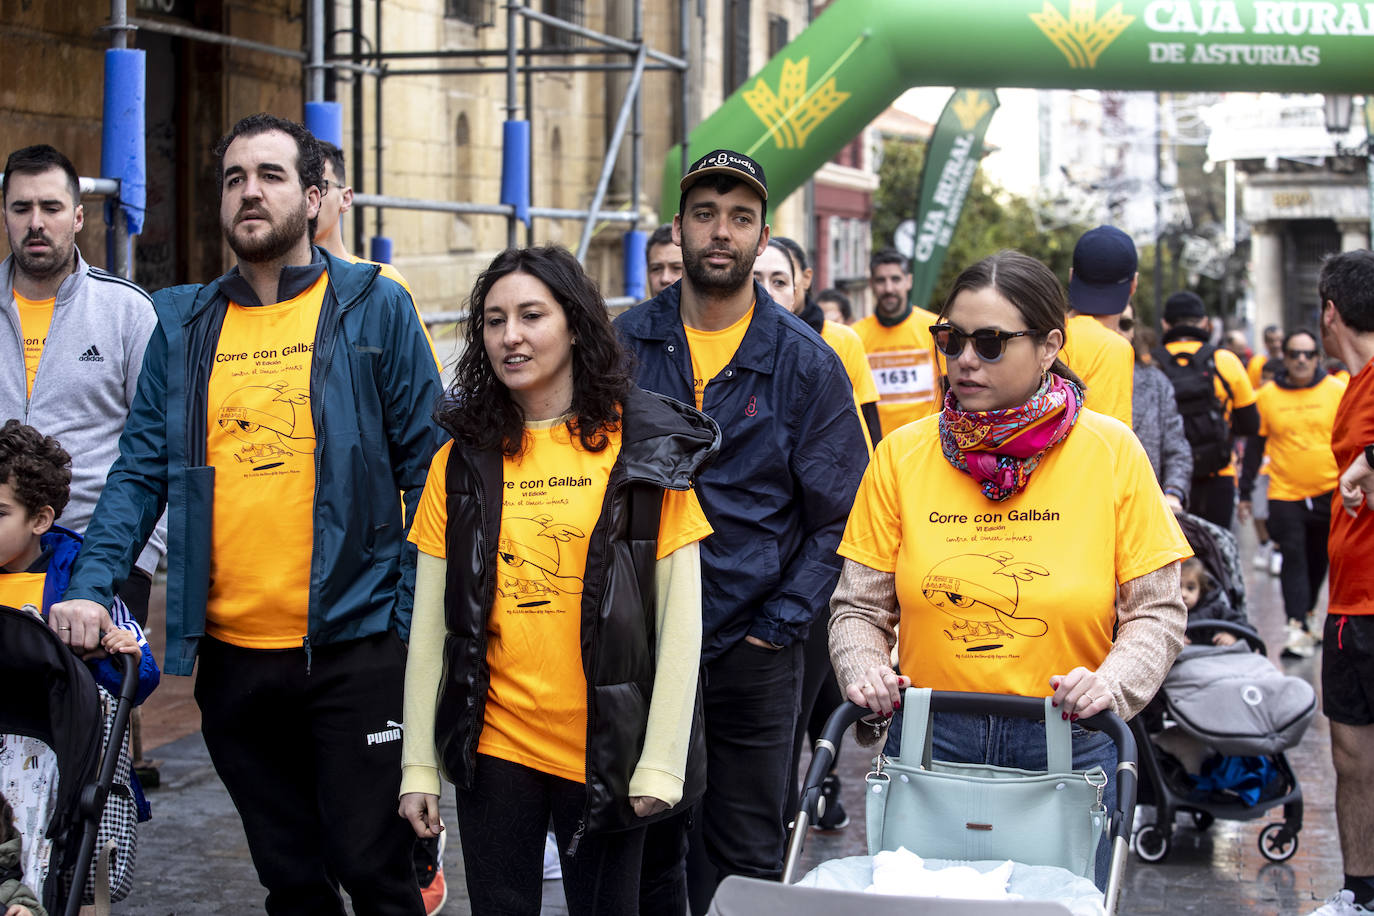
1101	283
777	496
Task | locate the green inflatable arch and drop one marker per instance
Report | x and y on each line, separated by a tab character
859	55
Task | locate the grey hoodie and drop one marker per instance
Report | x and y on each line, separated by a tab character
86	379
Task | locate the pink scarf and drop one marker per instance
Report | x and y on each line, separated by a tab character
1000	448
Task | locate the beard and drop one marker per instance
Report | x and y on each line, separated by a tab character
708	279
890	304
275	244
57	260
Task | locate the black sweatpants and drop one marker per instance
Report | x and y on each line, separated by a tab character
310	751
503	819
1214	498
1300	527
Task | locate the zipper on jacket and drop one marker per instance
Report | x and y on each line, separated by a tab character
488	599
576	838
306	643
319	443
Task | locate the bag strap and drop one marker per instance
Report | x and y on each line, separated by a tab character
917	728
104	860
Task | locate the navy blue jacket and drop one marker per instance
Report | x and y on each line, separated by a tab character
780	491
373	390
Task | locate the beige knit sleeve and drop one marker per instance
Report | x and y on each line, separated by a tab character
1150	620
863	620
424	669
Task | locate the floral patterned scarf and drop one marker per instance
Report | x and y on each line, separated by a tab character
1000	448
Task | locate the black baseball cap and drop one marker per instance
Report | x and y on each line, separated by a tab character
727	162
1183	305
1104	264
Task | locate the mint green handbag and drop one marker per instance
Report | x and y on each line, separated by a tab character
967	812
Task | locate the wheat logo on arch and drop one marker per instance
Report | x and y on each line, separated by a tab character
1082	37
969	107
793	112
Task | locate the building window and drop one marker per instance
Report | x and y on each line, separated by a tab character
736	69
777	35
473	12
572	11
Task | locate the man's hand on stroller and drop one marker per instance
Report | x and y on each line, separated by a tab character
880	689
1080	693
1357	485
80	624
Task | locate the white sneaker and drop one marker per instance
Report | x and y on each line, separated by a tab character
1261	557
1314	629
1275	563
1297	643
1341	903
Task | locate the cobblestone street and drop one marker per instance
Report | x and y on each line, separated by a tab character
193	857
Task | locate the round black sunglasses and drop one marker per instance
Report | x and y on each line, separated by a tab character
988	343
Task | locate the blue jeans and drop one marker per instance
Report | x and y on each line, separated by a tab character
1007	741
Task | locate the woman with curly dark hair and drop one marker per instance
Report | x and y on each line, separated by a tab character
557	626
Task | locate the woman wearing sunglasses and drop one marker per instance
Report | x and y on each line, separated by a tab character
1297	412
1010	535
557	628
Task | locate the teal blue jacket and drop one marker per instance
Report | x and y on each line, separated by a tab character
373	391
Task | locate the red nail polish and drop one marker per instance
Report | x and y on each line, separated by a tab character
897	705
1073	718
1065	715
1054	703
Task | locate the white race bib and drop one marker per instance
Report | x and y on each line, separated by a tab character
903	375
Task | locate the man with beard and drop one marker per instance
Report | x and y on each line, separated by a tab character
282	410
900	350
72	345
777	497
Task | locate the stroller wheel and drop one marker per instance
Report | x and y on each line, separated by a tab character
1203	820
1277	842
1151	843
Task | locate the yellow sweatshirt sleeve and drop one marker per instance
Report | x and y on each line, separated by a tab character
663	764
424	668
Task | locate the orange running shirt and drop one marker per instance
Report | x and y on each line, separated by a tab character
1105	361
35	317
713	350
905	367
262	445
536	711
1297	424
996	597
850	349
1352	573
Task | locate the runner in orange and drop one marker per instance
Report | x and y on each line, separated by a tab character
897	339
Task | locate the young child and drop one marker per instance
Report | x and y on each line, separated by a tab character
16	898
1205	601
36	560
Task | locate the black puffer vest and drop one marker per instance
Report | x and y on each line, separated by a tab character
664	445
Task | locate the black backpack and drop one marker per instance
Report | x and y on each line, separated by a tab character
1205	424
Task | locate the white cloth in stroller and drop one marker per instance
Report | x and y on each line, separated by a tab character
1028	882
1236	702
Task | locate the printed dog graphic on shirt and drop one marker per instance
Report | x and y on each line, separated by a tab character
273	421
529	557
981	592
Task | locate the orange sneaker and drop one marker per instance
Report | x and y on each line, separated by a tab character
435	893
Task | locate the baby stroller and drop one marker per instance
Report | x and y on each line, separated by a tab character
50	695
739	895
1228	711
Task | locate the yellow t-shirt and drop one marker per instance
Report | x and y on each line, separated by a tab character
713	350
905	367
392	273
1255	370
1105	361
850	349
1230	368
536	711
35	317
996	597
262	445
19	589
1298	424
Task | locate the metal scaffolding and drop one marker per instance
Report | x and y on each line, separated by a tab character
609	54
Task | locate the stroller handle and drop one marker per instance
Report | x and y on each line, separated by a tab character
1241	630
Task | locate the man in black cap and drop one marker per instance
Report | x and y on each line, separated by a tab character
1199	369
1101	283
792	452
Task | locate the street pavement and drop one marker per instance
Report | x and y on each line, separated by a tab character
193	859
